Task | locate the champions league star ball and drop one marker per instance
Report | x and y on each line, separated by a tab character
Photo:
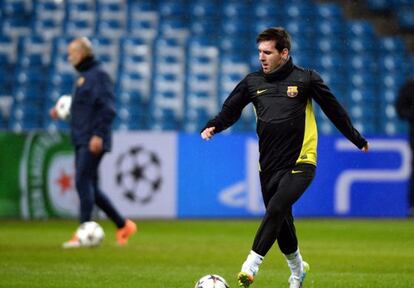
63	107
211	281
90	234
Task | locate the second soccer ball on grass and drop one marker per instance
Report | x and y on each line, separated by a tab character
90	234
211	281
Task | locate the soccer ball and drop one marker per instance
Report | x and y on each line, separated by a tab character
211	281
90	234
63	107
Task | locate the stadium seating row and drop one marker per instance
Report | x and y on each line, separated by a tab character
174	62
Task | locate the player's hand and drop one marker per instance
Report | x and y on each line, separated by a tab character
365	148
208	133
53	113
96	145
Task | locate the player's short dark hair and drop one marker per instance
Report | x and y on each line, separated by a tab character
279	34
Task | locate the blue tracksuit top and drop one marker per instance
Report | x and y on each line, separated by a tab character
93	107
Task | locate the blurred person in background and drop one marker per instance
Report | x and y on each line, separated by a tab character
92	112
405	110
282	94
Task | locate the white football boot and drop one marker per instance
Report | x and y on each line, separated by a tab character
297	282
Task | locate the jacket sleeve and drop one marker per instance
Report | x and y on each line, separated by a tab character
231	109
334	110
104	105
405	101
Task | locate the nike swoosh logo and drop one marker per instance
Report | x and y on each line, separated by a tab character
296	171
260	91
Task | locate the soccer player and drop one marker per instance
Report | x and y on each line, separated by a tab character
282	94
404	106
92	113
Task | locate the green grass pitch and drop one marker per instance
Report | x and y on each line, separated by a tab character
166	254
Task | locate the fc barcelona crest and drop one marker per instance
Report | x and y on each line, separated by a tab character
292	91
80	81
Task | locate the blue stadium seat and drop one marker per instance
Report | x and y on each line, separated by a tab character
111	10
362	80
25	117
405	16
111	27
268	10
300	11
301	30
79	28
330	61
367	127
129	98
380	5
143	24
174	27
8	58
29	94
302	43
53	93
393	62
16	8
128	113
49	28
204	27
36	50
62	81
6	81
172	8
233	27
328	11
333	28
363	44
261	24
364	62
168	99
127	125
235	10
50	10
196	119
136	83
391	44
16	26
165	119
303	59
360	28
329	45
203	9
391	80
361	96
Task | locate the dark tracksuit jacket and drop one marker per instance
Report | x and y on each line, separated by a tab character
93	107
286	124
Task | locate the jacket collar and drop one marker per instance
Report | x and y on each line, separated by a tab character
281	72
86	64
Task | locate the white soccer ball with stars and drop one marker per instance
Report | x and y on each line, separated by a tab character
90	234
211	281
63	107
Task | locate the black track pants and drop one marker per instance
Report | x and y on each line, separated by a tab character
280	191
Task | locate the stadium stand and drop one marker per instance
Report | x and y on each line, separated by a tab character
175	61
